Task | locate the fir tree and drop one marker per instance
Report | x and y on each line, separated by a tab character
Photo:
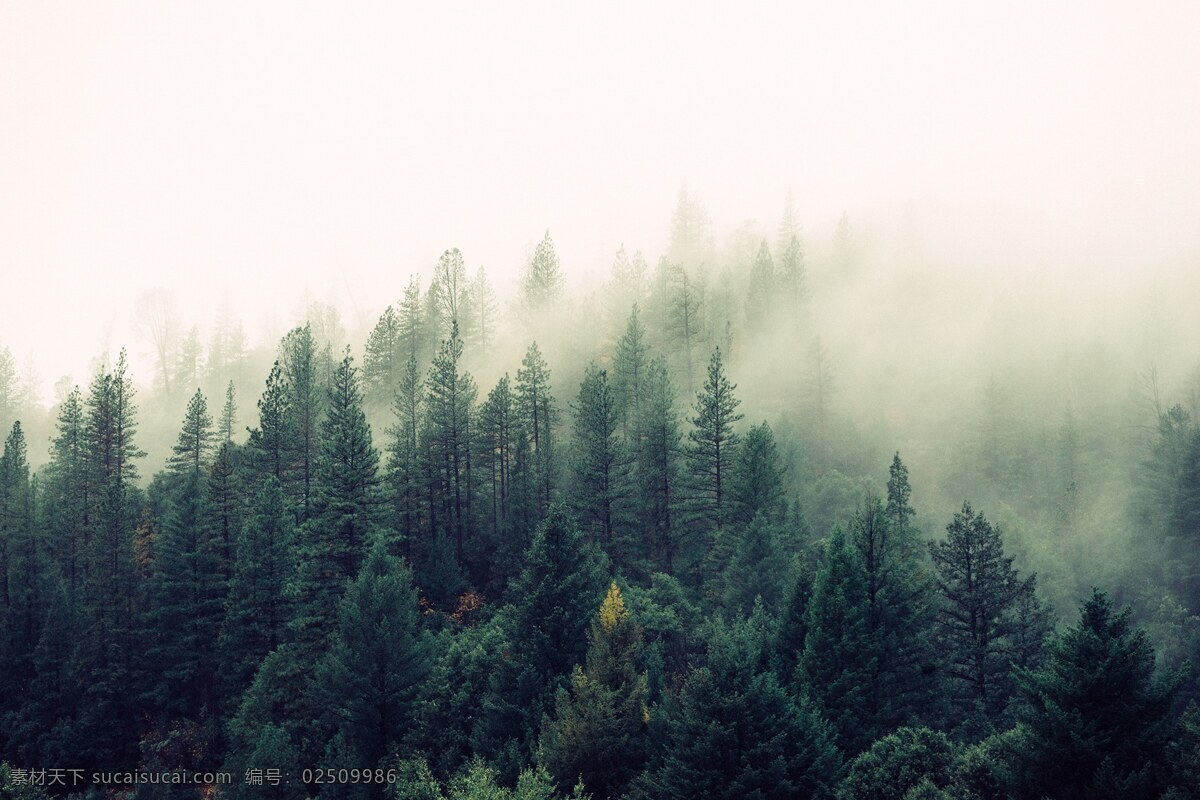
713	446
382	359
756	480
598	734
657	465
372	677
840	657
1096	716
542	284
631	364
299	361
449	404
269	442
192	451
538	416
601	466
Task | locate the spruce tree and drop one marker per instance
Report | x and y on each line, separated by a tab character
1096	716
300	363
269	443
382	360
450	405
657	466
713	448
192	450
598	734
630	384
756	480
764	288
404	480
542	284
840	656
601	467
370	682
538	415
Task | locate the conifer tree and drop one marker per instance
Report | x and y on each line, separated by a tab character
756	480
840	657
538	416
734	732
764	289
192	450
980	590
1096	716
371	679
382	360
299	360
543	282
552	602
631	364
258	605
410	326
404	456
482	307
269	443
69	493
601	466
657	466
714	444
497	433
758	568
449	405
598	734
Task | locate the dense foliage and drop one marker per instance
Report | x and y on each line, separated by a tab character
601	573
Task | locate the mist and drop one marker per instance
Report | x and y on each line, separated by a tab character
963	238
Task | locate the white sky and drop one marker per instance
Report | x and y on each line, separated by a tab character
223	149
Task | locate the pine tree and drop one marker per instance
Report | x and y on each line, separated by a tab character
764	289
449	403
448	292
482	305
382	359
192	451
685	323
1096	716
269	443
370	682
69	493
758	567
840	657
601	466
259	606
656	469
543	282
300	363
497	434
714	444
793	281
410	331
980	590
404	457
552	602
347	507
187	593
538	415
631	363
734	732
9	389
598	734
756	480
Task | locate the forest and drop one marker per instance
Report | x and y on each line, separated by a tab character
721	525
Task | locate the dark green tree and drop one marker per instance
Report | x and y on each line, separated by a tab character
980	591
450	405
269	443
370	681
300	363
756	480
898	763
1097	716
630	384
601	467
657	466
538	415
840	656
192	451
713	448
382	360
598	734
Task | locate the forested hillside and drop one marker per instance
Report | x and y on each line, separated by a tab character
722	525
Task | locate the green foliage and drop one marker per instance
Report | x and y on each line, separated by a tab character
1097	717
840	657
542	283
192	451
735	733
713	445
756	484
598	734
758	568
370	681
898	763
601	467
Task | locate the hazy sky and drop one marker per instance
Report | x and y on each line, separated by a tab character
224	149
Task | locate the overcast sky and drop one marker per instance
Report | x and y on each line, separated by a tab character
225	149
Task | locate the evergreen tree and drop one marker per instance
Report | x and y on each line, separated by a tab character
187	605
404	457
482	307
300	362
269	443
1096	716
192	451
543	282
764	288
631	364
259	606
735	733
793	282
897	764
69	493
538	415
598	734
980	590
713	445
372	677
449	403
497	434
347	507
552	602
840	657
410	326
448	292
756	480
792	636
656	469
382	359
601	466
758	568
